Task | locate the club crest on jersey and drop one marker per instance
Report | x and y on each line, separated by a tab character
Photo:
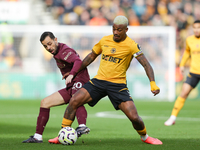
113	50
111	59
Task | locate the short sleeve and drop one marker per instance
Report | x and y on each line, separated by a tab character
136	50
187	48
97	48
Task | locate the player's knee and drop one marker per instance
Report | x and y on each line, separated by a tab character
74	103
44	103
184	95
135	119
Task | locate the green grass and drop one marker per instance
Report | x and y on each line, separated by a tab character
113	131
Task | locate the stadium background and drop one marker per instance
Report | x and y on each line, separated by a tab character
28	72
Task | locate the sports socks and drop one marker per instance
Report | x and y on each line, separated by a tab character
143	133
82	125
42	120
178	106
66	123
81	115
38	136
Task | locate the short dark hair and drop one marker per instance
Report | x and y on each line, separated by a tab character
45	34
197	21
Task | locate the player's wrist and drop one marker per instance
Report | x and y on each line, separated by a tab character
152	83
72	73
154	86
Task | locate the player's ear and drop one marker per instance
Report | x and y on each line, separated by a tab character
55	39
126	29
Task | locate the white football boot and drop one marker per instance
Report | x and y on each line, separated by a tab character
170	121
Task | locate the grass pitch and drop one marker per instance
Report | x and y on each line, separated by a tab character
110	129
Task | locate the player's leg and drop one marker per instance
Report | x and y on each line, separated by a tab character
81	116
66	96
80	98
81	113
130	111
121	99
190	83
67	121
91	93
53	100
179	103
128	107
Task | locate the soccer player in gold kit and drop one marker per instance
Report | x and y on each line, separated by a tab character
192	51
117	51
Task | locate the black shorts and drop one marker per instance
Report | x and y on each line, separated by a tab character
192	79
117	93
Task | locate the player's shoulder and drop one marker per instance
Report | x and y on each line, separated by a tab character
64	51
131	41
64	47
134	46
107	37
191	37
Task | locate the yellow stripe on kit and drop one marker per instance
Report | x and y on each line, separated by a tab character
123	89
142	132
91	82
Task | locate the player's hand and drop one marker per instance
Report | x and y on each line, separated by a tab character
182	69
154	88
69	79
65	75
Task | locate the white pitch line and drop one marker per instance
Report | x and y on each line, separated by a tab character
112	114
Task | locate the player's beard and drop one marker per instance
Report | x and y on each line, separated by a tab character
56	49
197	36
116	39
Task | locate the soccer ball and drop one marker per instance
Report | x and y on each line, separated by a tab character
67	136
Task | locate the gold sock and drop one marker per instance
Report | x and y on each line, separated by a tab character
142	132
178	105
66	123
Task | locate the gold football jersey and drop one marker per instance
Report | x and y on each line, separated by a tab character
192	50
115	58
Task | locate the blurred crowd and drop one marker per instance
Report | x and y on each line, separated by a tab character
177	13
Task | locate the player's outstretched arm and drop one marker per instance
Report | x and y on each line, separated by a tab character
150	73
147	67
86	61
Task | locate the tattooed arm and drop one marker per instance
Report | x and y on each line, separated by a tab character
86	61
147	67
149	71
